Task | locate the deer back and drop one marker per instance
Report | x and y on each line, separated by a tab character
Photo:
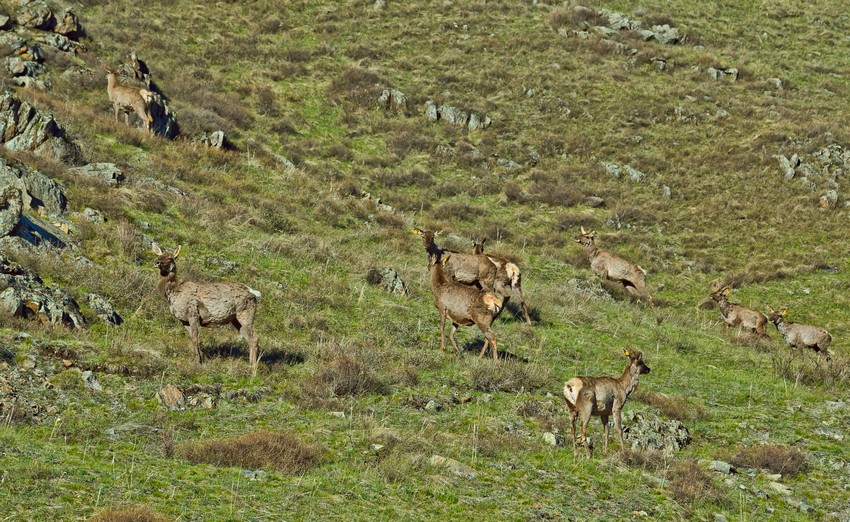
215	303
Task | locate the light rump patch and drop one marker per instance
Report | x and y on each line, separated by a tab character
493	302
571	390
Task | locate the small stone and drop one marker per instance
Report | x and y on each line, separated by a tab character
776	83
171	397
719	517
722	467
666	192
431	111
780	488
550	438
90	381
337	414
432	406
93	216
828	200
594	201
458	468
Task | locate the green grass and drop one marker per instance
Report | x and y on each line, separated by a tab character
306	240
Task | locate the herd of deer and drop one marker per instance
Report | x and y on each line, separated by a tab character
468	289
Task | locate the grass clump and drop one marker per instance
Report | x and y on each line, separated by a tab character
132	514
508	376
270	450
691	485
342	375
672	407
777	458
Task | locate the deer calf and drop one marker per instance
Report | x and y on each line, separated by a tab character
799	335
508	279
462	305
207	304
737	315
129	99
614	268
602	397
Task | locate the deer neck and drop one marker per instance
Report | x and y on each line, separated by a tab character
781	325
110	83
438	277
167	285
591	250
725	306
629	379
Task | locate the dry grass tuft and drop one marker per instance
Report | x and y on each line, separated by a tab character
648	460
672	407
359	86
507	375
690	485
777	458
270	450
133	514
342	375
803	368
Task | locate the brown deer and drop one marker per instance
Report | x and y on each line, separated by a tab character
468	269
611	267
602	397
207	304
508	277
129	99
463	305
737	315
799	335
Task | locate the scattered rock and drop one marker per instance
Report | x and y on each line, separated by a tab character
594	201
666	35
379	4
666	192
388	279
617	171
780	488
453	115
393	100
22	127
828	200
69	25
830	433
431	111
776	83
93	216
835	405
58	41
35	14
39	192
11	204
26	295
646	431
553	439
171	398
719	517
5	19
509	164
719	74
108	173
433	406
827	170
459	469
90	381
456	116
104	310
722	467
216	140
20	67
155	183
221	265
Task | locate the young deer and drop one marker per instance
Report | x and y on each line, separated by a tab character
508	277
602	397
468	269
462	305
614	268
129	99
799	335
207	304
737	315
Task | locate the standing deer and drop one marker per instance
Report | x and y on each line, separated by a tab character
602	397
129	99
611	267
508	277
799	335
207	304
462	305
468	269
737	315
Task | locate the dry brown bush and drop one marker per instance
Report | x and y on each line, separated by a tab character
672	407
648	460
342	375
270	450
777	458
508	375
132	514
690	485
359	86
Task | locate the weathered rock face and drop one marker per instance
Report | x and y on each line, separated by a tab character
388	279
35	14
216	140
645	431
164	119
22	127
26	295
826	171
11	202
69	25
393	100
40	193
104	310
455	116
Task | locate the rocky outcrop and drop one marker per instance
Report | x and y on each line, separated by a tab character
104	310
24	128
618	171
107	173
730	73
34	14
616	22
455	116
215	139
394	100
645	431
388	279
39	193
826	171
11	203
24	294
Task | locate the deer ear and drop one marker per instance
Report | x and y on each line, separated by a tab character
626	353
583	231
177	252
156	250
784	312
726	292
417	231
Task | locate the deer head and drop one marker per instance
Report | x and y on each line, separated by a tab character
719	295
585	238
636	360
777	316
165	260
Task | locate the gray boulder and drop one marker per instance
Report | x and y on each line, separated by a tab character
20	67
667	35
393	100
40	193
431	111
61	42
108	173
12	44
453	115
104	310
215	139
5	19
388	279
26	295
69	25
22	127
93	216
645	431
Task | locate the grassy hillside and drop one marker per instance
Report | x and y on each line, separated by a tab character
355	374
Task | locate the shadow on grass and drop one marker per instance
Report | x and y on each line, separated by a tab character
236	349
475	347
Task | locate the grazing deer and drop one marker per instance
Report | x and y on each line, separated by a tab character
602	397
468	269
737	315
508	277
462	305
611	267
129	99
207	304
799	335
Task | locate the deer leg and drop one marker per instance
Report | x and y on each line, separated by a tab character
573	415
127	118
585	420
604	420
452	338
246	330
442	331
194	328
115	107
618	425
518	292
